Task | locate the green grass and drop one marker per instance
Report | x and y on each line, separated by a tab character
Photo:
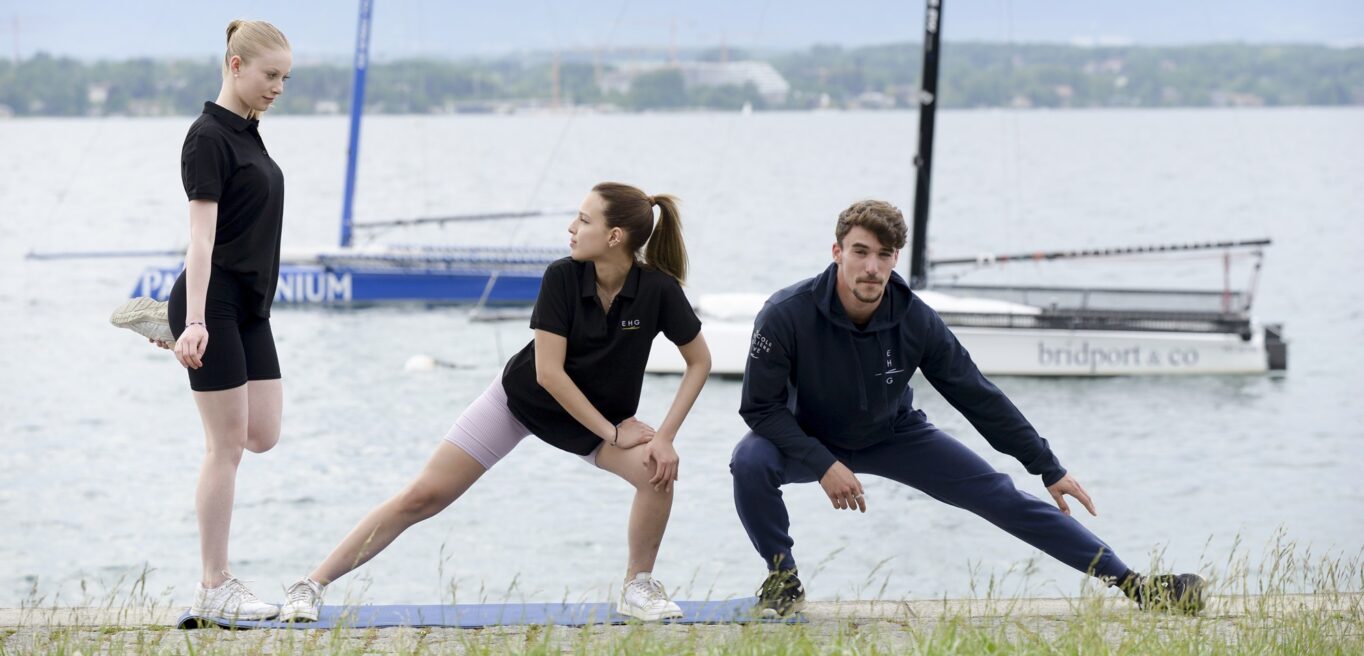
1293	603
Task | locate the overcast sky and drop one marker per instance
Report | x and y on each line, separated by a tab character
99	29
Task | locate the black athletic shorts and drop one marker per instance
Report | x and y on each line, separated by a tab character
240	344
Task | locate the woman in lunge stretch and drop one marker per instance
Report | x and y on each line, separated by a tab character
575	386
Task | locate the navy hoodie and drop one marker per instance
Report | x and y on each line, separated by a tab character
815	379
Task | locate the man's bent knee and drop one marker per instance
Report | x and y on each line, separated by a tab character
755	457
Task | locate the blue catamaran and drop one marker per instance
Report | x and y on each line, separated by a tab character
426	273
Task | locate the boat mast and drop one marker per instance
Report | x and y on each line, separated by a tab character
357	104
923	161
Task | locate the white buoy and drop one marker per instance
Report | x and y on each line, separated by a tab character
420	362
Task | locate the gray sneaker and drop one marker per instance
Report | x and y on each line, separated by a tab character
302	601
145	316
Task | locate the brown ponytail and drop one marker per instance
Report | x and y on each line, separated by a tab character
665	250
632	211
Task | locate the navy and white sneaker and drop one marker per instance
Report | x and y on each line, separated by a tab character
781	595
1174	593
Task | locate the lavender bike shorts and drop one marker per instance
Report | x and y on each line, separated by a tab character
487	431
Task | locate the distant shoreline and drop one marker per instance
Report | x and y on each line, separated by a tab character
529	113
883	77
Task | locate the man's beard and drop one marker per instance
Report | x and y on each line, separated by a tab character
867	299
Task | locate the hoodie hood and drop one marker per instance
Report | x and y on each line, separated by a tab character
893	309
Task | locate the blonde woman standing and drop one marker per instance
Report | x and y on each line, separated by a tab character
219	309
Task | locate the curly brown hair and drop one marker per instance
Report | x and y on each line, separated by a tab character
881	218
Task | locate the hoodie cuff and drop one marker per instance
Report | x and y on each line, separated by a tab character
819	460
1049	478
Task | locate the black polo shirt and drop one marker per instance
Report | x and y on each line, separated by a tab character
606	352
224	160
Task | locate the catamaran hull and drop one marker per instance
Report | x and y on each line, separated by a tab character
322	285
1032	352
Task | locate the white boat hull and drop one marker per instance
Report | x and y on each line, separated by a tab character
1032	352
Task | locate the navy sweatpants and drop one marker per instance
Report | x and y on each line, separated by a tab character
924	458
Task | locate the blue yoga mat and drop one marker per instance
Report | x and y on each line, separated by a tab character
480	615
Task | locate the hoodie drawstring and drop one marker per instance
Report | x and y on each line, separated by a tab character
861	374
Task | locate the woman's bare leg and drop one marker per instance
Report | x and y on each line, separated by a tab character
651	508
265	410
448	474
225	418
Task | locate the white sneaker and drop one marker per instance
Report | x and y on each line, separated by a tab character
145	316
302	601
230	602
645	599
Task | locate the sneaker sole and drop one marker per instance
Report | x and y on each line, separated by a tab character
205	613
648	617
772	614
145	316
298	616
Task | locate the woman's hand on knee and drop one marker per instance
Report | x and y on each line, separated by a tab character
631	433
662	457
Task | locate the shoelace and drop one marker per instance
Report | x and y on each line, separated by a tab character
777	588
301	592
652	590
242	592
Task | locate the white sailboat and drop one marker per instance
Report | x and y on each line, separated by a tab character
1059	332
1042	331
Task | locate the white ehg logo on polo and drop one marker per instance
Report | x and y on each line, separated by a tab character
629	324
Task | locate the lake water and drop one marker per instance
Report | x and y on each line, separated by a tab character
101	441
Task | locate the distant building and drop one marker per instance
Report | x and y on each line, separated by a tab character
872	100
97	94
770	84
1221	98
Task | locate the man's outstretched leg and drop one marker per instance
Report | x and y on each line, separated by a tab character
932	461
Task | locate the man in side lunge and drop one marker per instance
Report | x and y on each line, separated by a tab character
826	395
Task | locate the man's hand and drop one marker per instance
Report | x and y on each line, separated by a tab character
843	488
1068	485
